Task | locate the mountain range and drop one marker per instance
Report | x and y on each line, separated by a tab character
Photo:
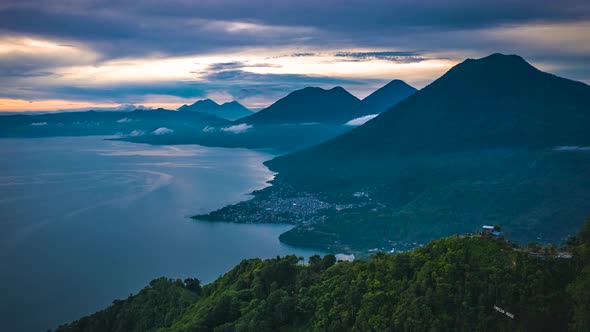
132	123
229	111
301	119
385	97
309	105
336	105
494	140
496	101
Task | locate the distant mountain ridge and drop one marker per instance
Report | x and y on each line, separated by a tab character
386	97
103	123
308	105
229	111
336	105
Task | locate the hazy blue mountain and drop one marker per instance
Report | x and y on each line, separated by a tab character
497	101
386	97
230	110
233	110
309	105
299	120
135	123
205	106
493	140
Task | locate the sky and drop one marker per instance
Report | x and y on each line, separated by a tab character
77	54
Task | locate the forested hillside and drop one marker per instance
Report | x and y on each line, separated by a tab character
449	284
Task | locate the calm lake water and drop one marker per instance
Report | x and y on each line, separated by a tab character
84	221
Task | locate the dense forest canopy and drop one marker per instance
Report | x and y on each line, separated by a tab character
465	283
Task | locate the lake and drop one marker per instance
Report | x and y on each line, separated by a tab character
84	220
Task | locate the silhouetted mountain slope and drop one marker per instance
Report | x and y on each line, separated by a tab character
493	140
386	97
233	110
309	105
204	106
497	101
230	110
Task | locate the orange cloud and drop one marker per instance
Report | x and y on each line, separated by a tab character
19	105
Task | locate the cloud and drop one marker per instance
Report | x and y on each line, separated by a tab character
7	104
264	79
237	65
136	133
132	107
362	120
572	148
394	56
114	52
303	54
345	257
26	57
225	66
238	129
124	93
163	131
129	28
98	19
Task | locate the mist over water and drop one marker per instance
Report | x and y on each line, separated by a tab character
84	221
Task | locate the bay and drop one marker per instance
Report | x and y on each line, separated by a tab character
85	220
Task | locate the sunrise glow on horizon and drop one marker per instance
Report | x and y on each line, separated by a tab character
242	54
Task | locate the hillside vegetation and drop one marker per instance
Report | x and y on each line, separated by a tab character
450	284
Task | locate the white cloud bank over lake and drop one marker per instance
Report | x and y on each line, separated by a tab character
361	121
572	148
238	129
163	131
137	133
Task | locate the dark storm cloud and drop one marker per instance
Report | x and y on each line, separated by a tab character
124	27
238	83
244	77
43	21
123	34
